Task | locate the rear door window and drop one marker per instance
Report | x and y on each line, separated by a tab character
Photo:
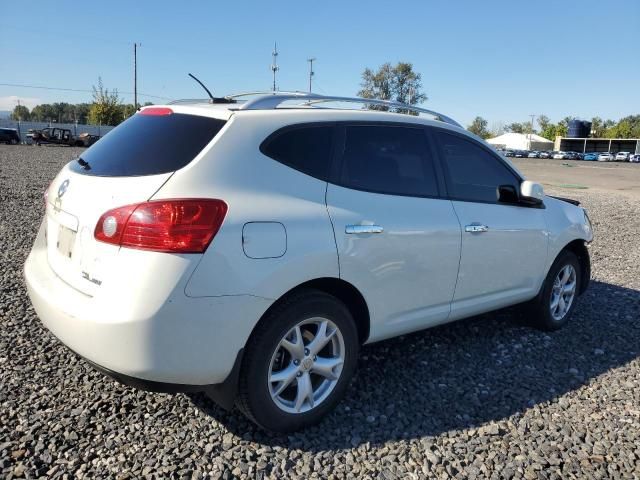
387	159
148	145
304	148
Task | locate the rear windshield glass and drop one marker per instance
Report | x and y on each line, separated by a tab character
148	145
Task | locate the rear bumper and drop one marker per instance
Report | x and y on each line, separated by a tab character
141	332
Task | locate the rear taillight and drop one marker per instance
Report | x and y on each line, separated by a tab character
177	226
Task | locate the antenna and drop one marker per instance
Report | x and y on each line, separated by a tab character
274	64
205	88
311	72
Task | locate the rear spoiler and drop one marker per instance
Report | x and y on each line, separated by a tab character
568	200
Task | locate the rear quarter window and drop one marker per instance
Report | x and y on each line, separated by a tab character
303	148
148	145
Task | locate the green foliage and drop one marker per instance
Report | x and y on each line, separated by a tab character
60	112
398	83
517	127
549	131
543	122
21	113
479	127
107	106
627	127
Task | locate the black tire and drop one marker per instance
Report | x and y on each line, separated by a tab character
254	398
539	309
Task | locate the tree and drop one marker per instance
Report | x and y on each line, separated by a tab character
497	129
627	127
127	110
107	106
543	122
549	131
399	83
479	127
517	127
20	112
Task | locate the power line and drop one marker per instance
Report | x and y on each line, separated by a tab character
41	87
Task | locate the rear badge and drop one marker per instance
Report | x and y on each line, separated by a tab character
86	276
63	188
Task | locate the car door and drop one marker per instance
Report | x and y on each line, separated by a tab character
398	241
504	245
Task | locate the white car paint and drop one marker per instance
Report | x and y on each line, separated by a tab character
606	157
182	318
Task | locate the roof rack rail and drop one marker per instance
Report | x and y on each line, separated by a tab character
202	100
271	100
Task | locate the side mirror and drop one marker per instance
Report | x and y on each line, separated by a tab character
531	192
508	194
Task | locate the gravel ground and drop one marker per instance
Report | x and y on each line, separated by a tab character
485	397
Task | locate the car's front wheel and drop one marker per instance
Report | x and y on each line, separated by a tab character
553	306
298	362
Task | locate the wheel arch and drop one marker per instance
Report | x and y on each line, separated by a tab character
579	249
343	291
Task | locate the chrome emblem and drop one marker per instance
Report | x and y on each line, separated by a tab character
63	188
307	363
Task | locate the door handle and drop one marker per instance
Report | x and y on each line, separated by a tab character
358	229
476	228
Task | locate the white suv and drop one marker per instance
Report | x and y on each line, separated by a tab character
248	249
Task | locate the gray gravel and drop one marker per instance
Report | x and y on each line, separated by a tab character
486	397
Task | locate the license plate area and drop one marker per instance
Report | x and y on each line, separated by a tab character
66	241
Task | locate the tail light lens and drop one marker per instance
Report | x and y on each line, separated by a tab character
176	226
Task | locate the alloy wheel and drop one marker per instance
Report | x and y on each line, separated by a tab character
563	292
306	365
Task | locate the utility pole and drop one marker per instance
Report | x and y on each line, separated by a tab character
135	76
274	64
531	131
311	72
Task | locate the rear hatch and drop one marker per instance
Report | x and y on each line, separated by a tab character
125	167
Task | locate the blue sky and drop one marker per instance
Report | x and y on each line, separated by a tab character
503	60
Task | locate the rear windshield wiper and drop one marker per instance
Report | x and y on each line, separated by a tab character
83	163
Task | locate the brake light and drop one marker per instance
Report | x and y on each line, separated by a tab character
159	111
176	226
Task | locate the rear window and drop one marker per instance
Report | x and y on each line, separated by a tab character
148	145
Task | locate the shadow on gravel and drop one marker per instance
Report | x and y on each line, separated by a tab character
466	374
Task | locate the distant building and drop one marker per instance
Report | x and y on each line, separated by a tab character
521	141
567	144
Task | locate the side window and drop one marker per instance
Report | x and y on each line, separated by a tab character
471	172
306	149
388	159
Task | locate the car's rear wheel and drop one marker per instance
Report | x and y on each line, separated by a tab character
298	363
553	306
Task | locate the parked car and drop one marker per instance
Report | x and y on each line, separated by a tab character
560	155
545	155
249	262
520	153
509	153
622	156
606	157
635	158
590	156
533	154
9	136
61	136
572	156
